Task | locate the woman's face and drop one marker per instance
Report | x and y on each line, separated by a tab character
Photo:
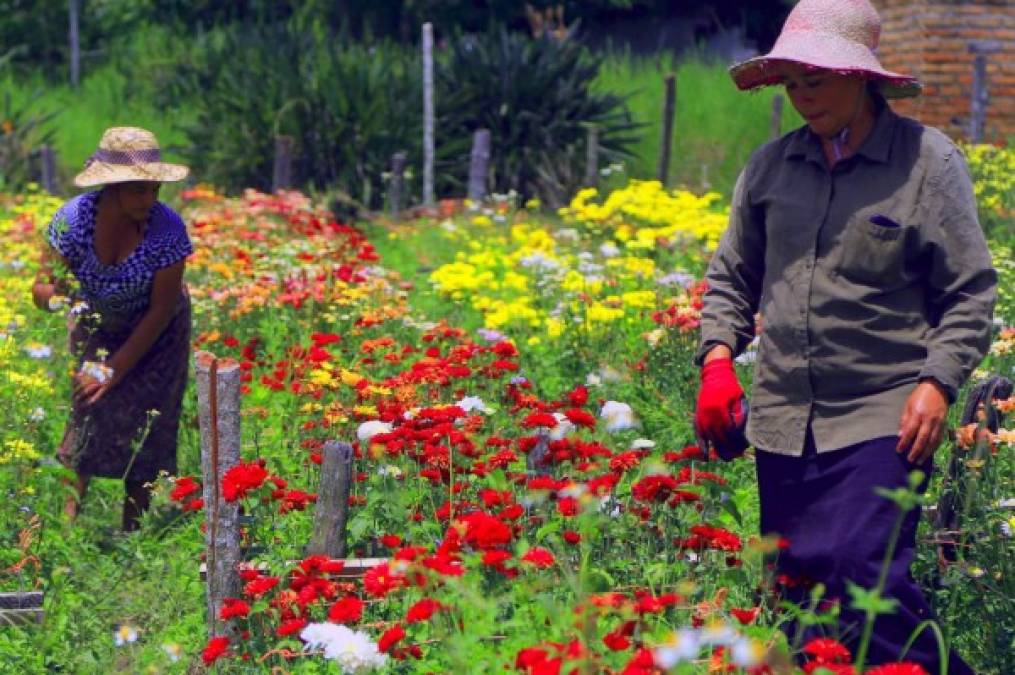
137	198
826	100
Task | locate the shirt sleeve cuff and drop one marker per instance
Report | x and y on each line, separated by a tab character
714	339
946	371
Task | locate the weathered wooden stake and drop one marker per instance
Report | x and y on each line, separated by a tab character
978	99
218	401
479	164
592	157
775	123
20	608
429	143
666	144
73	35
332	510
281	175
47	158
397	188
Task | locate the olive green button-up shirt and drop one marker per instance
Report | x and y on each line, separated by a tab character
869	277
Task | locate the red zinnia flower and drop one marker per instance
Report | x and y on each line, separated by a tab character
422	610
616	641
539	419
391	637
572	537
289	627
581	418
241	479
347	610
827	650
903	668
233	607
539	557
745	616
185	486
216	648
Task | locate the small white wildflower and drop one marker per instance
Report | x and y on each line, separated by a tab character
368	430
609	250
642	444
472	404
38	351
125	634
448	225
618	416
563	428
684	645
57	302
79	308
747	653
37	415
99	372
173	651
389	470
593	380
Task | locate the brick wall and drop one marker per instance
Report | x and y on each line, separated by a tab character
931	39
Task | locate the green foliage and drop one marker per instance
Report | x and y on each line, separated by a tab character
22	131
345	105
534	96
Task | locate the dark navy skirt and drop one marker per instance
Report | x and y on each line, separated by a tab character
838	529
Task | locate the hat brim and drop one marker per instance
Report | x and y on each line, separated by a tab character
824	51
101	173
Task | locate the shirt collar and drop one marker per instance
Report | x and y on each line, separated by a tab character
805	143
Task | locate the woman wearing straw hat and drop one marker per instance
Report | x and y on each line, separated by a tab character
126	252
856	238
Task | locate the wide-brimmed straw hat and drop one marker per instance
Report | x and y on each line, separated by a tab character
128	154
837	35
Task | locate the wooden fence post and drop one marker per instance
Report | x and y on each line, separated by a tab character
775	122
332	510
429	147
73	36
397	188
218	401
592	157
47	159
669	109
479	164
979	96
281	175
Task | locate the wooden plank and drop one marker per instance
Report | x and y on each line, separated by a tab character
666	144
20	617
354	568
429	116
21	600
479	164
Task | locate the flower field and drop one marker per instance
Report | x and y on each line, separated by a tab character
518	389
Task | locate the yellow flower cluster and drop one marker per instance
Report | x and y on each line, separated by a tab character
993	171
644	215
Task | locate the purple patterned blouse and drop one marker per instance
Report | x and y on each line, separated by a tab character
124	289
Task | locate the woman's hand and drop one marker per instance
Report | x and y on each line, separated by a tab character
923	421
87	389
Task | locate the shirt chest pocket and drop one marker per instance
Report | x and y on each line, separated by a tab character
872	249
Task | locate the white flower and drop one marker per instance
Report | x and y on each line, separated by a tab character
609	250
563	428
391	470
37	415
125	634
472	403
354	651
99	372
642	444
593	380
368	430
57	302
1008	503
567	234
173	651
38	351
618	416
684	645
79	308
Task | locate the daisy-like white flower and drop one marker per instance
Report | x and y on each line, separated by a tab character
368	430
38	351
354	651
125	634
99	372
618	416
472	404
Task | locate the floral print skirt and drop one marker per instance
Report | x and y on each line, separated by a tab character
131	431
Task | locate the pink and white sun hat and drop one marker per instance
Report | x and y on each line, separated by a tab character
838	35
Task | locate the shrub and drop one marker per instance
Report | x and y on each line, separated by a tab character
535	97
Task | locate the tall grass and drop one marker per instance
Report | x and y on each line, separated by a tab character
716	126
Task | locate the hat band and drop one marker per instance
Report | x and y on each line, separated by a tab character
125	157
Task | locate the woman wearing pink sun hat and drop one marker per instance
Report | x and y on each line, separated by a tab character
856	238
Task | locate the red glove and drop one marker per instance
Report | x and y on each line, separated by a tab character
719	408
